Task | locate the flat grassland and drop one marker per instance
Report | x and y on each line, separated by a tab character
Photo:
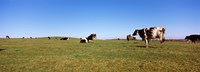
43	55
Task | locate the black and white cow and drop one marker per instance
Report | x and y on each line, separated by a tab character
151	33
129	37
87	39
192	38
65	38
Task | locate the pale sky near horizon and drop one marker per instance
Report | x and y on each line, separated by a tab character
107	18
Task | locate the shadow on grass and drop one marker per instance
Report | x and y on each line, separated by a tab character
2	49
145	47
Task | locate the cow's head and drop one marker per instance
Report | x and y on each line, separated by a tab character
187	37
136	32
92	37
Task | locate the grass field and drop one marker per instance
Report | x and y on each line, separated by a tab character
43	55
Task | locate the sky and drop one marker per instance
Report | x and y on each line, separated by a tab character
107	18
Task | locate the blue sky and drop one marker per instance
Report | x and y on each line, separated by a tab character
107	18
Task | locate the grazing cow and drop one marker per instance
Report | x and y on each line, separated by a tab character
87	39
151	33
129	37
65	38
192	38
7	37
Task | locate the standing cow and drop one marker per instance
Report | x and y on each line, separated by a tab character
87	39
192	38
151	33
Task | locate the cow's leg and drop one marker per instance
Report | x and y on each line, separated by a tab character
161	46
161	41
147	43
194	42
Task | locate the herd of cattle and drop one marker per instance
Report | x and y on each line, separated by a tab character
82	40
146	34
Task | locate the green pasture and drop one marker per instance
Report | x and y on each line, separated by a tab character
43	55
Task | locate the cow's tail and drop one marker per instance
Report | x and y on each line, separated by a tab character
163	30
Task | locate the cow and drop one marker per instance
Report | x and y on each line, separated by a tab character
118	38
49	38
151	33
65	38
7	37
192	38
129	37
87	39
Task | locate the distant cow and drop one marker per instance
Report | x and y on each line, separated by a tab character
49	38
129	37
65	38
118	38
151	33
87	39
193	38
7	37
